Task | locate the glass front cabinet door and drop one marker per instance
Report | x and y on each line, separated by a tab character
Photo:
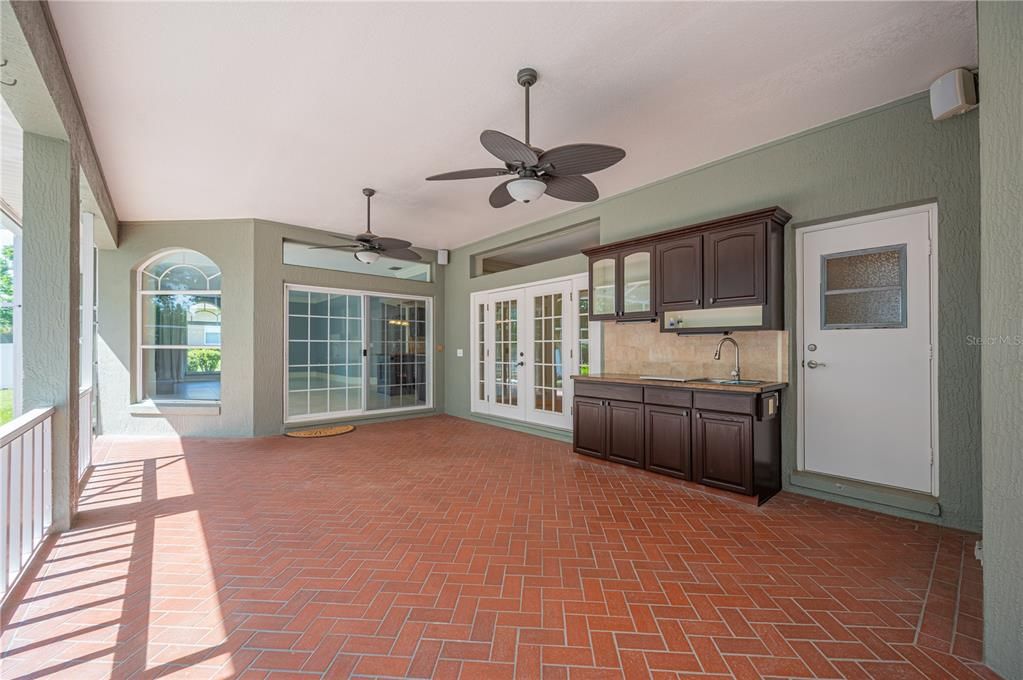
637	300
604	287
622	284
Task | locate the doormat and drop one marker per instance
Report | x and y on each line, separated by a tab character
321	431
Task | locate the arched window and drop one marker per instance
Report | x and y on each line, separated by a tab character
179	328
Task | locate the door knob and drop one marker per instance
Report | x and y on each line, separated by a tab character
814	364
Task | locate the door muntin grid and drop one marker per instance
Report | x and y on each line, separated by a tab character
324	353
506	352
481	352
584	331
548	362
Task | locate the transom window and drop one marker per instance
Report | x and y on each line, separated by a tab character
179	312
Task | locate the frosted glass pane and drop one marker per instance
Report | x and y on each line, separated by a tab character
866	270
604	286
872	308
637	282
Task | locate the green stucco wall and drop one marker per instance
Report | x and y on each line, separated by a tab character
229	243
1000	26
250	256
888	157
268	321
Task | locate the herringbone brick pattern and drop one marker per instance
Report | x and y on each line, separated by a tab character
442	548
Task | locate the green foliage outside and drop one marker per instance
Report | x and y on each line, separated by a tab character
203	360
6	406
7	294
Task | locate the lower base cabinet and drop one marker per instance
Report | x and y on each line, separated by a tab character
588	426
729	441
723	456
609	429
625	433
668	440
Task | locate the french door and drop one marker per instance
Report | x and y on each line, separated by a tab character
526	344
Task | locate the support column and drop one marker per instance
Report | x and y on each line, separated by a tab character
50	306
1000	33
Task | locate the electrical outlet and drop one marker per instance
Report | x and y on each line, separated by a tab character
459	352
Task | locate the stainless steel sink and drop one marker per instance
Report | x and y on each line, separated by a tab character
727	381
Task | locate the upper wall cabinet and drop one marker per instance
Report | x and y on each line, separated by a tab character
735	266
680	267
622	284
711	277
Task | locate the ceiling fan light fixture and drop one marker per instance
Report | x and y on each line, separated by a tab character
526	189
367	256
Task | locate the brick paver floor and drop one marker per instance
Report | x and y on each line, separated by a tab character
438	547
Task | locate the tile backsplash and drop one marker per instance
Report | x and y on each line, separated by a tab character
641	349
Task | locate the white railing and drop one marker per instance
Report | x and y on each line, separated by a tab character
26	457
84	431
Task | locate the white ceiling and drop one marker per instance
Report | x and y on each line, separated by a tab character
284	111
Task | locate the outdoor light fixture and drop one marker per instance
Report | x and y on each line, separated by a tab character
526	190
367	256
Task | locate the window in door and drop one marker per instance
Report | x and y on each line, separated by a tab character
864	288
548	361
481	352
506	352
583	349
324	353
398	343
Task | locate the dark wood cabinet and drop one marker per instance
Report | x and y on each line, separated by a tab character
589	426
625	432
723	450
734	267
728	440
668	440
680	273
674	275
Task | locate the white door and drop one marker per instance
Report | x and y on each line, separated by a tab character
547	345
508	354
866	346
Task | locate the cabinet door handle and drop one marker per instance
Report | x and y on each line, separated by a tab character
697	303
699	415
712	301
685	414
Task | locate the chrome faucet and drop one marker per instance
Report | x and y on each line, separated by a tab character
717	355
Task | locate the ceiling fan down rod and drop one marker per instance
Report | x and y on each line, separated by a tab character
527	78
368	193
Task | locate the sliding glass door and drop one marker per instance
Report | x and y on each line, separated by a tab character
350	352
397	353
526	344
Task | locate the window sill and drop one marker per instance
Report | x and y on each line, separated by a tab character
175	408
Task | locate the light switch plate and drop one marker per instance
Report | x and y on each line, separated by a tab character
459	352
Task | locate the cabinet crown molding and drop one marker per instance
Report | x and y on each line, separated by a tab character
774	214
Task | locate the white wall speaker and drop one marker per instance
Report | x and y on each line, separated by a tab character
952	94
442	256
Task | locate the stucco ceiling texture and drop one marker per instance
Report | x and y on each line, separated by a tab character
284	111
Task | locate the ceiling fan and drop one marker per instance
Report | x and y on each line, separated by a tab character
369	247
557	172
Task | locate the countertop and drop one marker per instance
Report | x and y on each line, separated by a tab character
627	379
